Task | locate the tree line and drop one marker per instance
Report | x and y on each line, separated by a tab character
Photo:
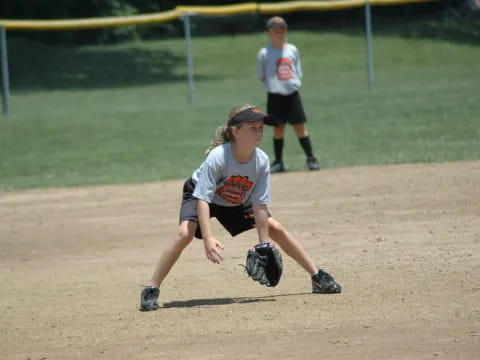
74	9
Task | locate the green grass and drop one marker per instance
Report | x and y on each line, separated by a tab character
119	114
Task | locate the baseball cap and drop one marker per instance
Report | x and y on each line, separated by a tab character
276	22
250	115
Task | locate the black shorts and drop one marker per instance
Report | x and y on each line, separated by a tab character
286	108
235	219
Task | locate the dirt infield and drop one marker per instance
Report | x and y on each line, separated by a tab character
404	242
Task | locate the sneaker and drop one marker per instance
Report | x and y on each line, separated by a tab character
277	167
149	299
323	283
312	163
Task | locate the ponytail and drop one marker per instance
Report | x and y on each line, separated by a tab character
224	133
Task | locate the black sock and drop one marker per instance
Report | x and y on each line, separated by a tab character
306	145
278	149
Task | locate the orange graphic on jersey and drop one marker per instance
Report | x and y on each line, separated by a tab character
284	69
234	188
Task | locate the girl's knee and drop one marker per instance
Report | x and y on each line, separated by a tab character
184	237
274	227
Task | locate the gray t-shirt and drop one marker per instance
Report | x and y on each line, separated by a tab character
280	69
224	181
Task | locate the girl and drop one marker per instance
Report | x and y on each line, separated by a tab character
233	185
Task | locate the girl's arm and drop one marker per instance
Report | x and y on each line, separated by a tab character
211	244
260	212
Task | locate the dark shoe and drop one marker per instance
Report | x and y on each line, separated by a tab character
323	283
312	163
149	299
277	167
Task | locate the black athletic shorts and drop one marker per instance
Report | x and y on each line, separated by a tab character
235	219
286	108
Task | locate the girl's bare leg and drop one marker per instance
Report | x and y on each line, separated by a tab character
171	253
291	246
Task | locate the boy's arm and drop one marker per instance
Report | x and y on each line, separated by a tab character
298	64
261	66
260	212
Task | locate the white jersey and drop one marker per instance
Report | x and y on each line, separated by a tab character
280	69
223	181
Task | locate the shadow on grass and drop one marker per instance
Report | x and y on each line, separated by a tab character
466	33
224	301
434	22
34	65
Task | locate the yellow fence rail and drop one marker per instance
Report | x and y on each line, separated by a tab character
165	16
184	13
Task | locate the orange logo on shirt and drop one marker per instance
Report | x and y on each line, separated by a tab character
234	189
284	69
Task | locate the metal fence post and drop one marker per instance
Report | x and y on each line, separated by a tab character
368	33
5	76
191	85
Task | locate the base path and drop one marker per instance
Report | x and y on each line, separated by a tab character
403	241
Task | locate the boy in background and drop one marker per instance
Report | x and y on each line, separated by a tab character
278	67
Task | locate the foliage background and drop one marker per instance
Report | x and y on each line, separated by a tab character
212	25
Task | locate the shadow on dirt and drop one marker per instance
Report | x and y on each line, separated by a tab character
224	301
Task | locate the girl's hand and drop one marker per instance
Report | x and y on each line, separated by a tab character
212	250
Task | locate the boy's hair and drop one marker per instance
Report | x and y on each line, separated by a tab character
276	22
223	134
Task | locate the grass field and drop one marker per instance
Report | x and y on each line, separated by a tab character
119	114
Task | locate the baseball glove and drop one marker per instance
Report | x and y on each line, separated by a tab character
264	264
